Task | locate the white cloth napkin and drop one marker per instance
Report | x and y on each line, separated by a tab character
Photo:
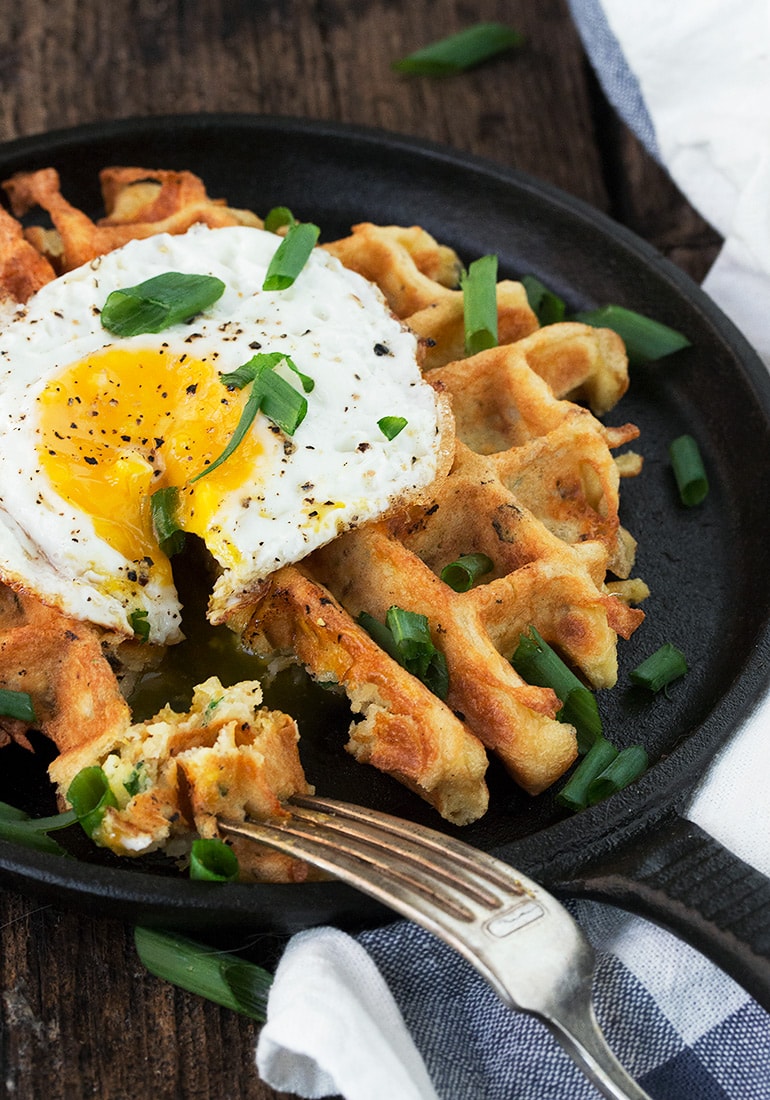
396	1015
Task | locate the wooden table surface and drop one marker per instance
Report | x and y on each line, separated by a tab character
80	1017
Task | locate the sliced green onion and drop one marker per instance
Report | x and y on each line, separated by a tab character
689	471
250	410
661	668
548	307
211	860
463	573
16	704
90	795
460	51
390	426
163	510
32	832
138	780
646	340
278	217
479	287
217	976
280	402
138	622
405	636
291	256
160	302
266	360
627	766
574	794
538	664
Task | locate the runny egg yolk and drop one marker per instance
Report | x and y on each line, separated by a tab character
119	425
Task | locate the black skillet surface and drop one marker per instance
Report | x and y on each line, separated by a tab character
707	567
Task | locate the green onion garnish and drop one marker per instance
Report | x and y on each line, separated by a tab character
661	668
291	255
270	393
574	794
689	471
463	573
479	287
163	509
390	426
405	636
138	780
278	217
32	832
548	307
160	302
460	51
138	622
219	977
211	860
538	664
16	704
646	340
627	766
90	794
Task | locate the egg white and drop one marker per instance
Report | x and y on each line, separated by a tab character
338	470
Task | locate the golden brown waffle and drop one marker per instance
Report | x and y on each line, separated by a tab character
534	486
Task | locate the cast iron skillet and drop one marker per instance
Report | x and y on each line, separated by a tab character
707	567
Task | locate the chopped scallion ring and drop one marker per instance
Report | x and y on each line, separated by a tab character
138	622
646	340
217	976
538	664
405	636
479	287
689	471
548	307
574	794
90	794
460	51
463	573
626	768
163	510
390	426
16	704
278	217
211	860
660	669
160	302
32	832
291	256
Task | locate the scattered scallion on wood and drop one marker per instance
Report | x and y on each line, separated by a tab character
625	768
548	307
689	471
277	218
291	255
646	340
158	303
660	669
32	832
462	573
90	794
211	860
538	664
405	636
461	51
217	976
479	287
163	510
16	704
390	426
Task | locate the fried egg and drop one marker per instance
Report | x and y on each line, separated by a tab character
91	425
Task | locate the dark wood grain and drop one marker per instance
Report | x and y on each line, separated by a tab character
80	1016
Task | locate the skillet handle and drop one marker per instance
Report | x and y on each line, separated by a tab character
679	876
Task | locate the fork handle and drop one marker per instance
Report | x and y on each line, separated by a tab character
680	876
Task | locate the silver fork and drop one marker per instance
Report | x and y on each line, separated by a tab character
519	938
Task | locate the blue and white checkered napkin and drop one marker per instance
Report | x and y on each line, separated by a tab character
396	1015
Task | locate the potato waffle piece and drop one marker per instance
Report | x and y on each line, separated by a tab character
534	486
138	203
